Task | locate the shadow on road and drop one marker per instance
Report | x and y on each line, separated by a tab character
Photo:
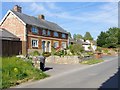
112	82
47	68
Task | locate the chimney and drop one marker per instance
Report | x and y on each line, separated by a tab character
17	8
41	17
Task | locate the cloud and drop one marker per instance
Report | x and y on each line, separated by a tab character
106	13
60	1
52	5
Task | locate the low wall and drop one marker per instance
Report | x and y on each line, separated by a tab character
63	60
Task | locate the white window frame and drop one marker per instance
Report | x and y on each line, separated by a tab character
36	42
48	33
64	44
43	32
63	35
34	30
56	34
57	44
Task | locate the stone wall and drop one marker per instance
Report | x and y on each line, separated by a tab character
36	62
63	60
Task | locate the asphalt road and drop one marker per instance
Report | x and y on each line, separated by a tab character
93	76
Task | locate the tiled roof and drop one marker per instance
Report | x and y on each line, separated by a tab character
4	34
39	23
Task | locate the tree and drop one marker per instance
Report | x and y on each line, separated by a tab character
110	38
77	36
101	39
88	36
69	35
74	36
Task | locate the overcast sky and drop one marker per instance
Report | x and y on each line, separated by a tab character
75	17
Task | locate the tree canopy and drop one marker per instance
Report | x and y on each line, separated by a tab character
69	35
110	38
77	36
88	36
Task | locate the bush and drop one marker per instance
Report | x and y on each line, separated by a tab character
35	53
76	49
105	51
53	50
46	54
15	69
90	53
99	49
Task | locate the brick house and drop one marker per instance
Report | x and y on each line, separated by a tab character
35	33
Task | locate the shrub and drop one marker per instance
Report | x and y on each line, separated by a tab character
53	51
46	54
15	69
99	49
35	53
90	53
76	49
105	51
59	53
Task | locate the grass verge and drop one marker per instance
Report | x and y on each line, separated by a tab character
16	71
92	61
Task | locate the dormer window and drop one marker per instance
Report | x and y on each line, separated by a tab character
48	33
55	34
34	30
63	36
43	32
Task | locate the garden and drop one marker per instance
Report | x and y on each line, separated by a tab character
16	70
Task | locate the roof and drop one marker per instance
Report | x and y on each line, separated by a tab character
4	34
72	40
79	41
94	42
39	23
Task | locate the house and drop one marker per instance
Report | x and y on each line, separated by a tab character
87	44
84	43
71	41
11	44
36	33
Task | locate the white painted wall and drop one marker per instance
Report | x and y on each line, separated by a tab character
86	47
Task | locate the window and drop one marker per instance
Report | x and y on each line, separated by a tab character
34	30
56	44
34	43
43	32
63	44
55	34
48	33
63	36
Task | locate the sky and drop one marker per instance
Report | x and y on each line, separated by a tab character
75	17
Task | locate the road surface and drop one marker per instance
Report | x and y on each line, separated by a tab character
93	76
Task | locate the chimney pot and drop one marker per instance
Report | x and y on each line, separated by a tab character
17	8
41	17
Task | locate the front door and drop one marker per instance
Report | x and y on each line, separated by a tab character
43	46
48	46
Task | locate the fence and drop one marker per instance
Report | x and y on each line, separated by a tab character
10	48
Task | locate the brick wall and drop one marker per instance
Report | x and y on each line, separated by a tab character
16	27
13	25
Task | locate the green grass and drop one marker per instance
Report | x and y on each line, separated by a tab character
92	61
15	71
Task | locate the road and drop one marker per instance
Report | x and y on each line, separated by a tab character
93	76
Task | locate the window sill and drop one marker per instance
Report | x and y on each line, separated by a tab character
35	33
34	47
